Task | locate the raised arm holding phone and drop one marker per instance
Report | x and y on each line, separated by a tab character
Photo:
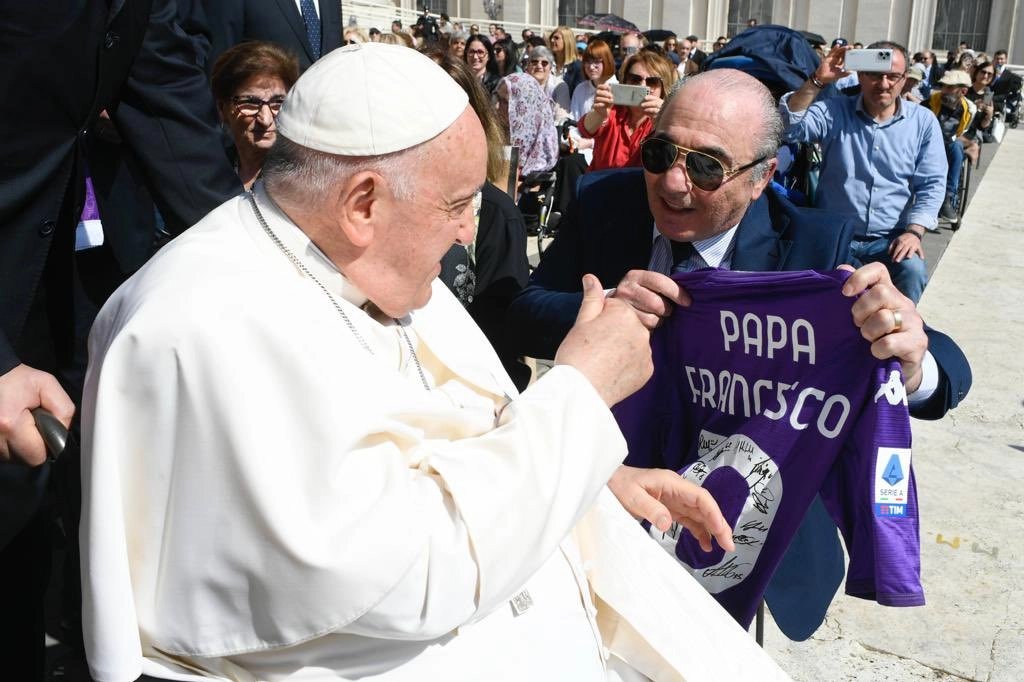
619	125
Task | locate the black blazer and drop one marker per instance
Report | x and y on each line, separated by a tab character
66	65
608	232
279	21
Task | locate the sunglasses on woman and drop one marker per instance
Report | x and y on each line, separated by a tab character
637	79
540	62
705	171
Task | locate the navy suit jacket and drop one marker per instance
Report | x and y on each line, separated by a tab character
608	232
279	21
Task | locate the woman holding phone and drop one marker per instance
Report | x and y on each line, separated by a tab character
980	93
619	129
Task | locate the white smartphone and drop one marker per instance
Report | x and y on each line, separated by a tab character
877	61
629	95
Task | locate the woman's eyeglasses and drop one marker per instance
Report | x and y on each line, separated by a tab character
987	74
540	62
250	105
637	79
705	171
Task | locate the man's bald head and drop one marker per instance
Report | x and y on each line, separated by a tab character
737	95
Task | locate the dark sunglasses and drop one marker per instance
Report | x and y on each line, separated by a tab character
540	62
637	79
705	171
250	105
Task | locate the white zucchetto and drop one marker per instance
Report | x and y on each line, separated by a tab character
369	99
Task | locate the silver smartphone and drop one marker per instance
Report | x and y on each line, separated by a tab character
629	95
877	61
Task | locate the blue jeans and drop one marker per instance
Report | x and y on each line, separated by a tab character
909	275
955	158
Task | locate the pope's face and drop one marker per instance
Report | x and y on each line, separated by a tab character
414	234
720	126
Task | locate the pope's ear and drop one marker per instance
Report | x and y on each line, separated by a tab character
361	203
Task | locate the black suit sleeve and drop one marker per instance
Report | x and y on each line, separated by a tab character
544	312
225	20
166	117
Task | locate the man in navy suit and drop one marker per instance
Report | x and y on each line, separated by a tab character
702	201
309	28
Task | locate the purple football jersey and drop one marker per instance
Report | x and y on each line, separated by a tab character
765	393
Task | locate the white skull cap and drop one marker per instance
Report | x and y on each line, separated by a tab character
369	99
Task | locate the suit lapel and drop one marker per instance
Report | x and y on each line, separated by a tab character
291	13
758	246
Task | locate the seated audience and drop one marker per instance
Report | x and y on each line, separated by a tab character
249	83
540	65
882	161
566	65
912	84
480	58
598	68
505	56
956	114
980	90
457	44
618	130
524	110
487	273
355	35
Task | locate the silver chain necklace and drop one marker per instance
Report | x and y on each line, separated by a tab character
348	323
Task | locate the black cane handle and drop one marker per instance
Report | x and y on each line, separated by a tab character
54	434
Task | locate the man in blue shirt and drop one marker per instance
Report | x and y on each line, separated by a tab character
883	163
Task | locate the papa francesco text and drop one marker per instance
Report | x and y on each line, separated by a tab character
768	338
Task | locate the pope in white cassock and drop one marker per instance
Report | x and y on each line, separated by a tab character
303	461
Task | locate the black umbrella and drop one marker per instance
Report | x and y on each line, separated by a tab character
656	35
813	38
607	22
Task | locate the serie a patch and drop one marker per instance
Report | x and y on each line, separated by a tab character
892	481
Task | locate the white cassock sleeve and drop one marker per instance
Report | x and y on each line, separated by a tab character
259	480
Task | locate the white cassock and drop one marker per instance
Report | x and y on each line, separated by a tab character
264	499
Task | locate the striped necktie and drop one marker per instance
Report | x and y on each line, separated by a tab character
668	256
312	20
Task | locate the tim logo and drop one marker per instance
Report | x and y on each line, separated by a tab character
892	510
892	390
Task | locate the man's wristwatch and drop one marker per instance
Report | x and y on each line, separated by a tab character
919	235
816	83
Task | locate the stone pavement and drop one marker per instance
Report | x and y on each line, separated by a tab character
969	479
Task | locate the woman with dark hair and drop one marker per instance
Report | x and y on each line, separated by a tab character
618	130
249	83
505	56
480	59
981	81
488	273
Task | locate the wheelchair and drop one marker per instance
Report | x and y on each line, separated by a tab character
537	205
963	189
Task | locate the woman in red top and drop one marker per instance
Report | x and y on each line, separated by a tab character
618	130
